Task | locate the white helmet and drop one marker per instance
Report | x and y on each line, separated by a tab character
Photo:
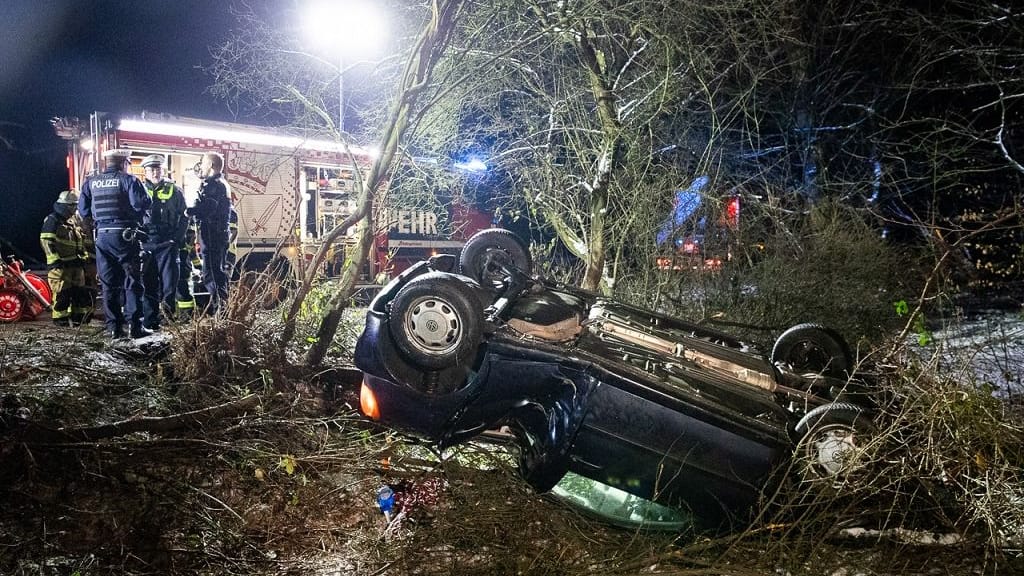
68	197
153	160
122	153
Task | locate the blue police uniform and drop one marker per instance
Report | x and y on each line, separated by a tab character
117	202
165	227
212	212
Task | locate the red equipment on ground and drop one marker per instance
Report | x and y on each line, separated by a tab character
23	295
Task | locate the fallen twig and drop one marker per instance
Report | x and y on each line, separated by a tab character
36	434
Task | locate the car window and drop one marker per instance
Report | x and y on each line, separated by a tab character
618	507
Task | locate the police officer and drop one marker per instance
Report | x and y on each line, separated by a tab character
212	211
64	246
117	202
165	228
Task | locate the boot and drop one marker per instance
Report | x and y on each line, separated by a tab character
117	333
140	331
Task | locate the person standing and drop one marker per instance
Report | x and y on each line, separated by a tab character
232	253
212	211
62	242
89	241
188	259
165	229
117	202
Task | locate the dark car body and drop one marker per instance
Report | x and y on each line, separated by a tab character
663	409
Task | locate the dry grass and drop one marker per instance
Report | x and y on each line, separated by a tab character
289	488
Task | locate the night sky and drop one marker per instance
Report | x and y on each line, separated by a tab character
72	57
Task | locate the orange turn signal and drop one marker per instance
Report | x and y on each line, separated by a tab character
368	402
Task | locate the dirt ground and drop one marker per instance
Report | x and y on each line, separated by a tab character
110	463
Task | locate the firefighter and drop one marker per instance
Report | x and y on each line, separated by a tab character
62	242
165	229
117	202
212	211
89	241
188	258
232	254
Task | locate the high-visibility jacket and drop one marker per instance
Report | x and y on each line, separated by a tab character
62	242
166	219
87	238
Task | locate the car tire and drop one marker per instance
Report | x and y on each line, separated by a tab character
813	348
487	251
831	442
435	321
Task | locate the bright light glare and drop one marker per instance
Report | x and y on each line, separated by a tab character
86	144
192	131
350	27
472	165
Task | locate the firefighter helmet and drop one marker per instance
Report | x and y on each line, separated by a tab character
68	197
153	160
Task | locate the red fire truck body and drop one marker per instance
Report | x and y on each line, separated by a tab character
289	189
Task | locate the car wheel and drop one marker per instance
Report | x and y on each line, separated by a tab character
832	439
488	251
435	321
813	348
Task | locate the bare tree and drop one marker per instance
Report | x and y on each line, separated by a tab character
895	109
584	92
263	68
416	79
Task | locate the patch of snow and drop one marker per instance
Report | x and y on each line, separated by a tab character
107	362
984	350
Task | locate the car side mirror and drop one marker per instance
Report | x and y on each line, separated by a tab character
443	262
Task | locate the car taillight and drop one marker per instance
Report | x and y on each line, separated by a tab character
368	403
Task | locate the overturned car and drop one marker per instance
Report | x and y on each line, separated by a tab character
666	410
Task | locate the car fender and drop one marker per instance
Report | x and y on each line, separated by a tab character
541	397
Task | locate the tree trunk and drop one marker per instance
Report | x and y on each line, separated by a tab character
330	322
430	45
611	130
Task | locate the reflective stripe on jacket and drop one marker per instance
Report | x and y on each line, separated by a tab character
62	242
167	219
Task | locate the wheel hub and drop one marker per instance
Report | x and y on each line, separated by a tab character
833	450
434	325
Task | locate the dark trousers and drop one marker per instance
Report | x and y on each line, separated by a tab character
214	249
160	276
186	298
119	267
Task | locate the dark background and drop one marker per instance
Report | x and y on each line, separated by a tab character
73	57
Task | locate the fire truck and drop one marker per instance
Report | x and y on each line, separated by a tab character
289	189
